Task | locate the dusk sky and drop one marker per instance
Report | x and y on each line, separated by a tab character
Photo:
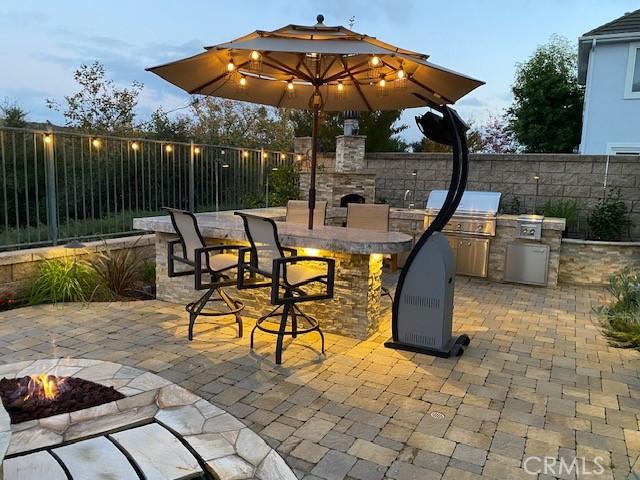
44	42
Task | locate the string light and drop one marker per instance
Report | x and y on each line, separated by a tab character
255	61
245	154
135	146
291	90
231	66
299	157
381	87
96	143
48	138
196	150
339	92
242	83
168	149
401	79
265	155
374	66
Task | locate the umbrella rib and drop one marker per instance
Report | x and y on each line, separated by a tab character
335	57
211	82
285	68
430	90
301	57
355	83
345	71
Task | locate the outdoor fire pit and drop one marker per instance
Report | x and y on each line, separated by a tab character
77	418
42	395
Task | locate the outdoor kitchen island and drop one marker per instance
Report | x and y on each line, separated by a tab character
357	307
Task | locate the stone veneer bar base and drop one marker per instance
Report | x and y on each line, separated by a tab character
165	430
355	311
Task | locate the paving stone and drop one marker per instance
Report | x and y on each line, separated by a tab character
470	454
365	470
157	452
372	452
406	471
95	458
309	451
431	461
334	465
337	441
314	429
34	466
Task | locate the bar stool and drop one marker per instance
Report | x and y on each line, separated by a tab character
370	216
210	260
298	212
283	274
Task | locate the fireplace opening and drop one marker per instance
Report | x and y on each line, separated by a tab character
40	396
351	198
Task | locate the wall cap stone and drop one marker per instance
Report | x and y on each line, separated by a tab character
599	242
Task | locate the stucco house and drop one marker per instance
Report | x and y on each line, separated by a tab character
609	67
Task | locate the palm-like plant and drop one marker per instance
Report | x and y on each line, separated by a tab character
119	270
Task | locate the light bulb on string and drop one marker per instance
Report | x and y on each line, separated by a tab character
242	83
381	87
374	66
291	89
401	79
340	90
255	61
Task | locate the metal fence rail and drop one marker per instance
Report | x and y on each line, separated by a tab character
56	186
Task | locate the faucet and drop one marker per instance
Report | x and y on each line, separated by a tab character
404	201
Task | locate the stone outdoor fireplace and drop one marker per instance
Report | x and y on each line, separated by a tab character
145	427
338	175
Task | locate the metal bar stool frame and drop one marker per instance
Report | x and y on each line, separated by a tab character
201	265
286	304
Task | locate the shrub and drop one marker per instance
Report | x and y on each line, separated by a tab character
610	218
283	184
63	280
567	209
621	322
119	270
149	272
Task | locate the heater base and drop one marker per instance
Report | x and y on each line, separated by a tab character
454	348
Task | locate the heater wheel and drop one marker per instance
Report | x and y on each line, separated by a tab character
463	340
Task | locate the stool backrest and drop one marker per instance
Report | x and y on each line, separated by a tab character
368	216
186	226
262	234
298	212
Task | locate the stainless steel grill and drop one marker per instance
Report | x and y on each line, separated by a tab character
470	228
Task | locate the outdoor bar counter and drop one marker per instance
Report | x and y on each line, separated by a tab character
357	307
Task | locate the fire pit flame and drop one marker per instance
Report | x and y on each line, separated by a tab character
43	386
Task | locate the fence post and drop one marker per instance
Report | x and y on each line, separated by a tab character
192	178
50	188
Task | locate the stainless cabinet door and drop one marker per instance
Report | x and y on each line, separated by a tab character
526	263
472	256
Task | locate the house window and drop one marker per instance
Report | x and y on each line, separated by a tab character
632	84
623	149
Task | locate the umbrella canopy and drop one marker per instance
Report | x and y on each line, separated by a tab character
317	67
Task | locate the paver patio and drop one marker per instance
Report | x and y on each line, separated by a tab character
537	380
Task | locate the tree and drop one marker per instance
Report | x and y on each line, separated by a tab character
12	115
99	105
228	122
497	137
546	113
161	127
380	128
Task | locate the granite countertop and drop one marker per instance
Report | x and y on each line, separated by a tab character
226	225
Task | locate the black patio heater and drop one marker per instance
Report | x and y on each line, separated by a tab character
423	302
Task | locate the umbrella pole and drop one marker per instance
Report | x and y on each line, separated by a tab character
314	151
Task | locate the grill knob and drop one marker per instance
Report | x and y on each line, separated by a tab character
479	228
459	226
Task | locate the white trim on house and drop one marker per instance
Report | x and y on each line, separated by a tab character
587	98
634	51
618	148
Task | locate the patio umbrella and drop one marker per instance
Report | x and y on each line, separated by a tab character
315	68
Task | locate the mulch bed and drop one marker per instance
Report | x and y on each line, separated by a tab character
73	394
